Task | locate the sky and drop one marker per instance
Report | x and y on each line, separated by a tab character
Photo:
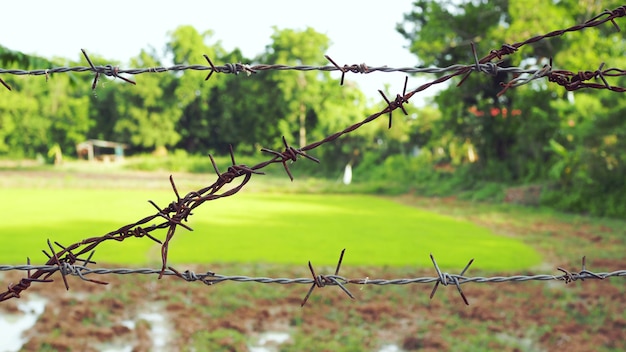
359	31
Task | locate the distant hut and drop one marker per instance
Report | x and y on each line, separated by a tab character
95	149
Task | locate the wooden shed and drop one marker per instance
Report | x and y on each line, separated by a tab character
95	149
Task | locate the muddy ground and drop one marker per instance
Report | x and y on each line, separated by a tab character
504	317
519	316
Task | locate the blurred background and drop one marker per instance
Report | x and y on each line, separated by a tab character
522	181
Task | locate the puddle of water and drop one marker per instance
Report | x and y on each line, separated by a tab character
129	324
268	342
159	329
159	333
111	348
13	326
390	348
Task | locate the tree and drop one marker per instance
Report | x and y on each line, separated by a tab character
67	110
302	93
573	138
39	112
440	34
148	112
247	110
196	123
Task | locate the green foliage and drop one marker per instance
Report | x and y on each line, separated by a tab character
180	161
182	111
24	61
149	113
37	115
538	132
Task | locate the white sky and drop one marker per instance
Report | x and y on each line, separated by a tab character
360	31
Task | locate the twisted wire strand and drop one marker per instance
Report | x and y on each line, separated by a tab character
111	71
523	75
214	278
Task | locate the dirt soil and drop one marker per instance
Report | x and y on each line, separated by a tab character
529	316
505	317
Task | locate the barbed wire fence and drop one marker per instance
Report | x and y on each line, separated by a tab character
74	259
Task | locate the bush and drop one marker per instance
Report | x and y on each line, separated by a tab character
592	200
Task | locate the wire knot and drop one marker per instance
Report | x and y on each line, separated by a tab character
505	49
191	276
445	279
569	277
230	68
361	68
289	154
323	280
489	68
398	102
107	70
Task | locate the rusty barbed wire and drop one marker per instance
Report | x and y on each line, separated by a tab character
176	213
564	77
236	68
210	278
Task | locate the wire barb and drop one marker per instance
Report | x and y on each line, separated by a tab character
568	276
445	279
107	70
5	84
210	278
56	261
343	71
290	154
323	280
398	102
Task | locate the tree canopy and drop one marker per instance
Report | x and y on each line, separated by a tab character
538	132
179	111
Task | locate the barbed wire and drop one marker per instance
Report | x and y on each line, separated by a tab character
176	213
524	75
568	79
210	278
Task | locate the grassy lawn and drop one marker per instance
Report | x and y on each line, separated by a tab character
255	227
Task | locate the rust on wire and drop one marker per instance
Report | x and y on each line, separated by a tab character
56	261
343	72
290	154
573	276
609	16
13	291
398	102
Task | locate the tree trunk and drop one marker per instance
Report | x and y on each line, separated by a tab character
302	125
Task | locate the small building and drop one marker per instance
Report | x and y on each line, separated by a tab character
95	149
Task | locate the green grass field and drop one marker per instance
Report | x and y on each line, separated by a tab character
255	227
